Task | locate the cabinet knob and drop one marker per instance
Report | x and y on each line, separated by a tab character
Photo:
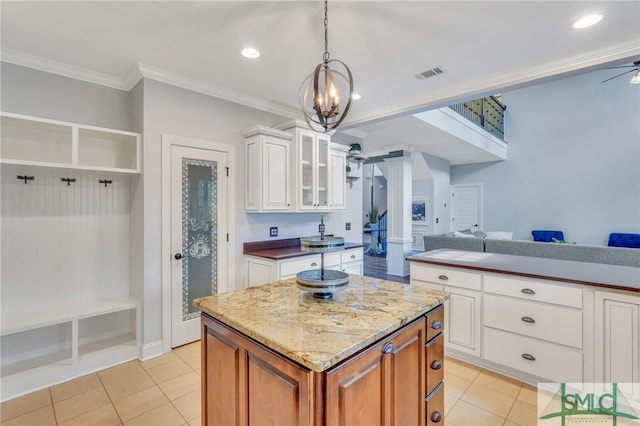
528	357
353	256
527	291
443	278
314	264
388	348
436	365
436	325
436	417
178	256
528	319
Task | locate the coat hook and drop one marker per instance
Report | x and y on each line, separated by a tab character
25	178
68	180
105	181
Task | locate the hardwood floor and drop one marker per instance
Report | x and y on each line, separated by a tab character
377	267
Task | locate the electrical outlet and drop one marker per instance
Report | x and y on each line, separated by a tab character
273	231
347	226
437	220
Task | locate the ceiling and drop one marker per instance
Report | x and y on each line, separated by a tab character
482	47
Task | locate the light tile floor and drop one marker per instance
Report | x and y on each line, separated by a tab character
166	391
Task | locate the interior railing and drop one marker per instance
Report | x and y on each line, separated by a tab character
487	113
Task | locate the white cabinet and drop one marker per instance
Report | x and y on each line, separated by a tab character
338	177
41	142
617	340
534	326
260	270
268	170
312	170
462	309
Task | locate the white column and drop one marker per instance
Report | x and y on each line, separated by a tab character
399	192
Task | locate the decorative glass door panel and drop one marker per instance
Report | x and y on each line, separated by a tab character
199	233
306	164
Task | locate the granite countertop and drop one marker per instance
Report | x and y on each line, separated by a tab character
320	333
586	273
282	249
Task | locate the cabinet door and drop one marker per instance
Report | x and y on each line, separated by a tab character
384	385
338	193
354	268
617	341
259	271
462	313
305	148
322	171
260	387
275	179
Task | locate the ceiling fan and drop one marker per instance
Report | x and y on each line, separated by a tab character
634	68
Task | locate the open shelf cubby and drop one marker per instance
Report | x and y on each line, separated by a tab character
51	143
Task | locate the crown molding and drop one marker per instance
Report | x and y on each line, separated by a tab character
163	76
138	72
54	67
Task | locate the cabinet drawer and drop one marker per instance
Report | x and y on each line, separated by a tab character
435	322
435	361
446	276
290	268
427	285
352	255
332	259
435	406
546	360
534	290
553	323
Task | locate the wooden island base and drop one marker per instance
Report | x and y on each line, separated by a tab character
395	381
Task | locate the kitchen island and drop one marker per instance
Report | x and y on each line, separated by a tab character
275	355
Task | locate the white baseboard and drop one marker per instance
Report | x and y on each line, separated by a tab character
151	350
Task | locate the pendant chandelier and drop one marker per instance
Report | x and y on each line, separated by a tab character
321	92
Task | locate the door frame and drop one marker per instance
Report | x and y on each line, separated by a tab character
480	203
169	141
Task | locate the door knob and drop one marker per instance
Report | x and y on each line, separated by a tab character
178	256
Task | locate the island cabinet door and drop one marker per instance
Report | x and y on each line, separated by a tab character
384	385
244	384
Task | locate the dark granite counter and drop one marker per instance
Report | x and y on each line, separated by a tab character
594	274
282	249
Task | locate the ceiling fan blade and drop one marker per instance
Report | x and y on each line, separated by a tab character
616	76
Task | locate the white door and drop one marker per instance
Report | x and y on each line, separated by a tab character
466	207
198	235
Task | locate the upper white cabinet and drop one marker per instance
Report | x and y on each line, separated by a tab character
268	170
338	176
50	143
312	170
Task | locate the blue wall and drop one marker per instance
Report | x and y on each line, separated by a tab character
573	161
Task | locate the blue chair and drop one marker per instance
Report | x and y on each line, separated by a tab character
617	239
547	236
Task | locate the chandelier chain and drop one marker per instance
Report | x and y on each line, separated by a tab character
325	57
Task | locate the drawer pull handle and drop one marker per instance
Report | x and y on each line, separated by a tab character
388	348
528	357
436	325
528	291
353	256
436	417
443	278
528	319
436	365
314	264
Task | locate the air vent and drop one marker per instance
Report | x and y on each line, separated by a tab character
429	73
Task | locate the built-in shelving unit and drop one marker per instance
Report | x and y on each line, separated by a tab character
49	143
66	307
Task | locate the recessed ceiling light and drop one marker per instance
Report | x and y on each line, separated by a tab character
355	96
250	53
587	21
